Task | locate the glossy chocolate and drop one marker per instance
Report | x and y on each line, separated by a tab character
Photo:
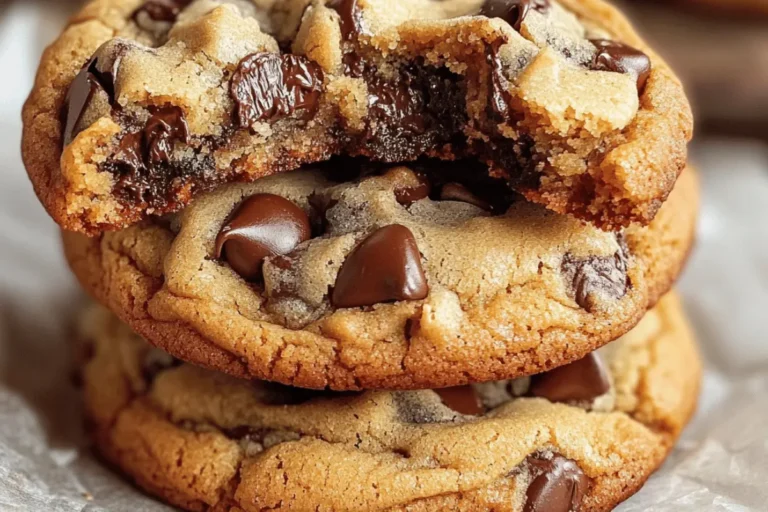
385	267
557	484
267	87
581	381
513	12
462	399
262	226
621	58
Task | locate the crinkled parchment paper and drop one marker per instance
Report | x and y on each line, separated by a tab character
720	465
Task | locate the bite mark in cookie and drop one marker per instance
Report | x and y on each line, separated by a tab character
503	83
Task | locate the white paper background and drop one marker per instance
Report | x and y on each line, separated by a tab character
720	465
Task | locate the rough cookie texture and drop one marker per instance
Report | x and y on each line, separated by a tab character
137	108
486	296
204	441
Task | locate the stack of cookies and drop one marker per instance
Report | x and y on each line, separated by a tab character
372	255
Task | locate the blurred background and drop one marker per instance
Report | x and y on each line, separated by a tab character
718	47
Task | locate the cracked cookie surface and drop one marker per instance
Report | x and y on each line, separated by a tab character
581	438
140	106
397	278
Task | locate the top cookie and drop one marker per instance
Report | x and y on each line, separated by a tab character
140	105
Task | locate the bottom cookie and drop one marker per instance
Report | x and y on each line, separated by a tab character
579	438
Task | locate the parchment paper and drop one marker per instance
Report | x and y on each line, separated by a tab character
720	465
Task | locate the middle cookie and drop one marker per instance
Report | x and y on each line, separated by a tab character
355	278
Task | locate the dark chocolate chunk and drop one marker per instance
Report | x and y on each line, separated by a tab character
621	58
164	128
141	153
269	87
98	75
581	381
80	93
409	195
409	186
499	96
385	267
462	399
597	277
397	102
557	484
351	17
458	192
421	108
162	10
263	225
513	11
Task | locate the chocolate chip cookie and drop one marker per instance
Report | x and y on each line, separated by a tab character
357	276
141	105
581	438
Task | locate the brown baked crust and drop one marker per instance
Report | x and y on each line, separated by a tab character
527	329
175	435
634	174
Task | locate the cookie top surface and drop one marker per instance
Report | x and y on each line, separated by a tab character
140	106
402	278
581	438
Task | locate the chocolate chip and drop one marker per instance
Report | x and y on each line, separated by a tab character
385	267
462	399
399	102
596	278
351	17
97	76
140	153
513	11
263	225
499	96
269	87
164	128
582	381
557	484
83	87
621	58
458	192
409	186
409	195
162	10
